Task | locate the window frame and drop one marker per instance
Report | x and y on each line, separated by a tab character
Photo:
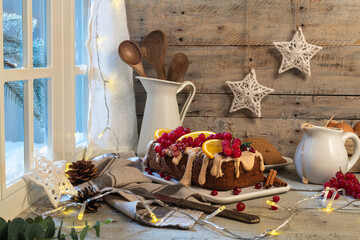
61	91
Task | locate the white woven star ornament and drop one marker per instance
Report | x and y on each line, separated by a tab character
52	178
296	53
248	93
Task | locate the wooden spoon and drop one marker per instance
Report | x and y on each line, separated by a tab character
153	49
130	53
178	67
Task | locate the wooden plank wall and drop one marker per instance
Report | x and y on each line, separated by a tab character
213	34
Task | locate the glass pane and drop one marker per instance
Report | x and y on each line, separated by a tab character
14	130
41	131
39	33
12	33
81	31
81	109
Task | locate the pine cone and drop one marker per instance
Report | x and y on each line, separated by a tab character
81	171
87	193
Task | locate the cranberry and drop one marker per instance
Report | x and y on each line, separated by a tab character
147	169
174	148
342	182
274	208
336	185
176	153
240	206
354	187
219	136
348	192
167	178
162	175
327	184
354	194
158	148
337	196
276	198
348	184
350	176
227	136
237	141
237	153
358	195
258	186
332	180
339	175
214	193
225	143
187	130
150	172
358	189
228	151
236	190
165	135
252	150
330	193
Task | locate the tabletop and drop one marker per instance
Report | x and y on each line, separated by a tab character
309	223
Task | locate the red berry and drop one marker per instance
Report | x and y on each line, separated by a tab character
327	184
252	150
164	135
348	184
225	143
236	190
227	136
158	148
330	193
337	196
202	136
187	130
350	176
358	195
162	174
167	178
240	206
358	189
236	146
214	193
258	186
276	198
219	136
237	153
348	192
342	182
354	194
354	186
332	180
176	153
174	148
336	185
339	175
237	141
150	172
147	169
228	151
163	152
274	208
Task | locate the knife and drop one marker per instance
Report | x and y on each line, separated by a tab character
179	202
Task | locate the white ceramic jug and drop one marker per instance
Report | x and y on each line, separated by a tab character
161	108
321	152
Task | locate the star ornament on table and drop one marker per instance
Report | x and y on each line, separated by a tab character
297	53
248	93
51	177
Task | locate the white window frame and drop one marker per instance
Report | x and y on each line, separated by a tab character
61	91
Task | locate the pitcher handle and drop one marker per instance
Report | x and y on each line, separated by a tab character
188	100
355	156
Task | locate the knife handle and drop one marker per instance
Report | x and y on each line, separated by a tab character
236	215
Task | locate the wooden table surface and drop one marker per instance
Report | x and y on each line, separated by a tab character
308	224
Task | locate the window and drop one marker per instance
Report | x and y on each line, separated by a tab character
43	85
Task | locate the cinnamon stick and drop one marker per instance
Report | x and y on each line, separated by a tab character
268	178
279	183
271	182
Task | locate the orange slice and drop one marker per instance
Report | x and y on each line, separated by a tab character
195	134
211	147
159	132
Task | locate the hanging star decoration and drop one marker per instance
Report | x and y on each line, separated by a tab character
248	93
297	53
51	177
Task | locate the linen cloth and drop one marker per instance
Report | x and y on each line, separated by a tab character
125	173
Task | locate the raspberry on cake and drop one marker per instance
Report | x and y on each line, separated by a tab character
215	161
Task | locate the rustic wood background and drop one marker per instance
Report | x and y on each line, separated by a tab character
213	34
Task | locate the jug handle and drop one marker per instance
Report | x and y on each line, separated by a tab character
188	100
355	156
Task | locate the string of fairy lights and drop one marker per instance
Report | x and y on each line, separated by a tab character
327	206
99	41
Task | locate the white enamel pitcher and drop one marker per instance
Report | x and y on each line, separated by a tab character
321	152
161	108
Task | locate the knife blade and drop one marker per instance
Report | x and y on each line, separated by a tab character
183	203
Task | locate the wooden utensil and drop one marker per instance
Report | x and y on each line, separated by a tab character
236	215
130	53
178	67
153	50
